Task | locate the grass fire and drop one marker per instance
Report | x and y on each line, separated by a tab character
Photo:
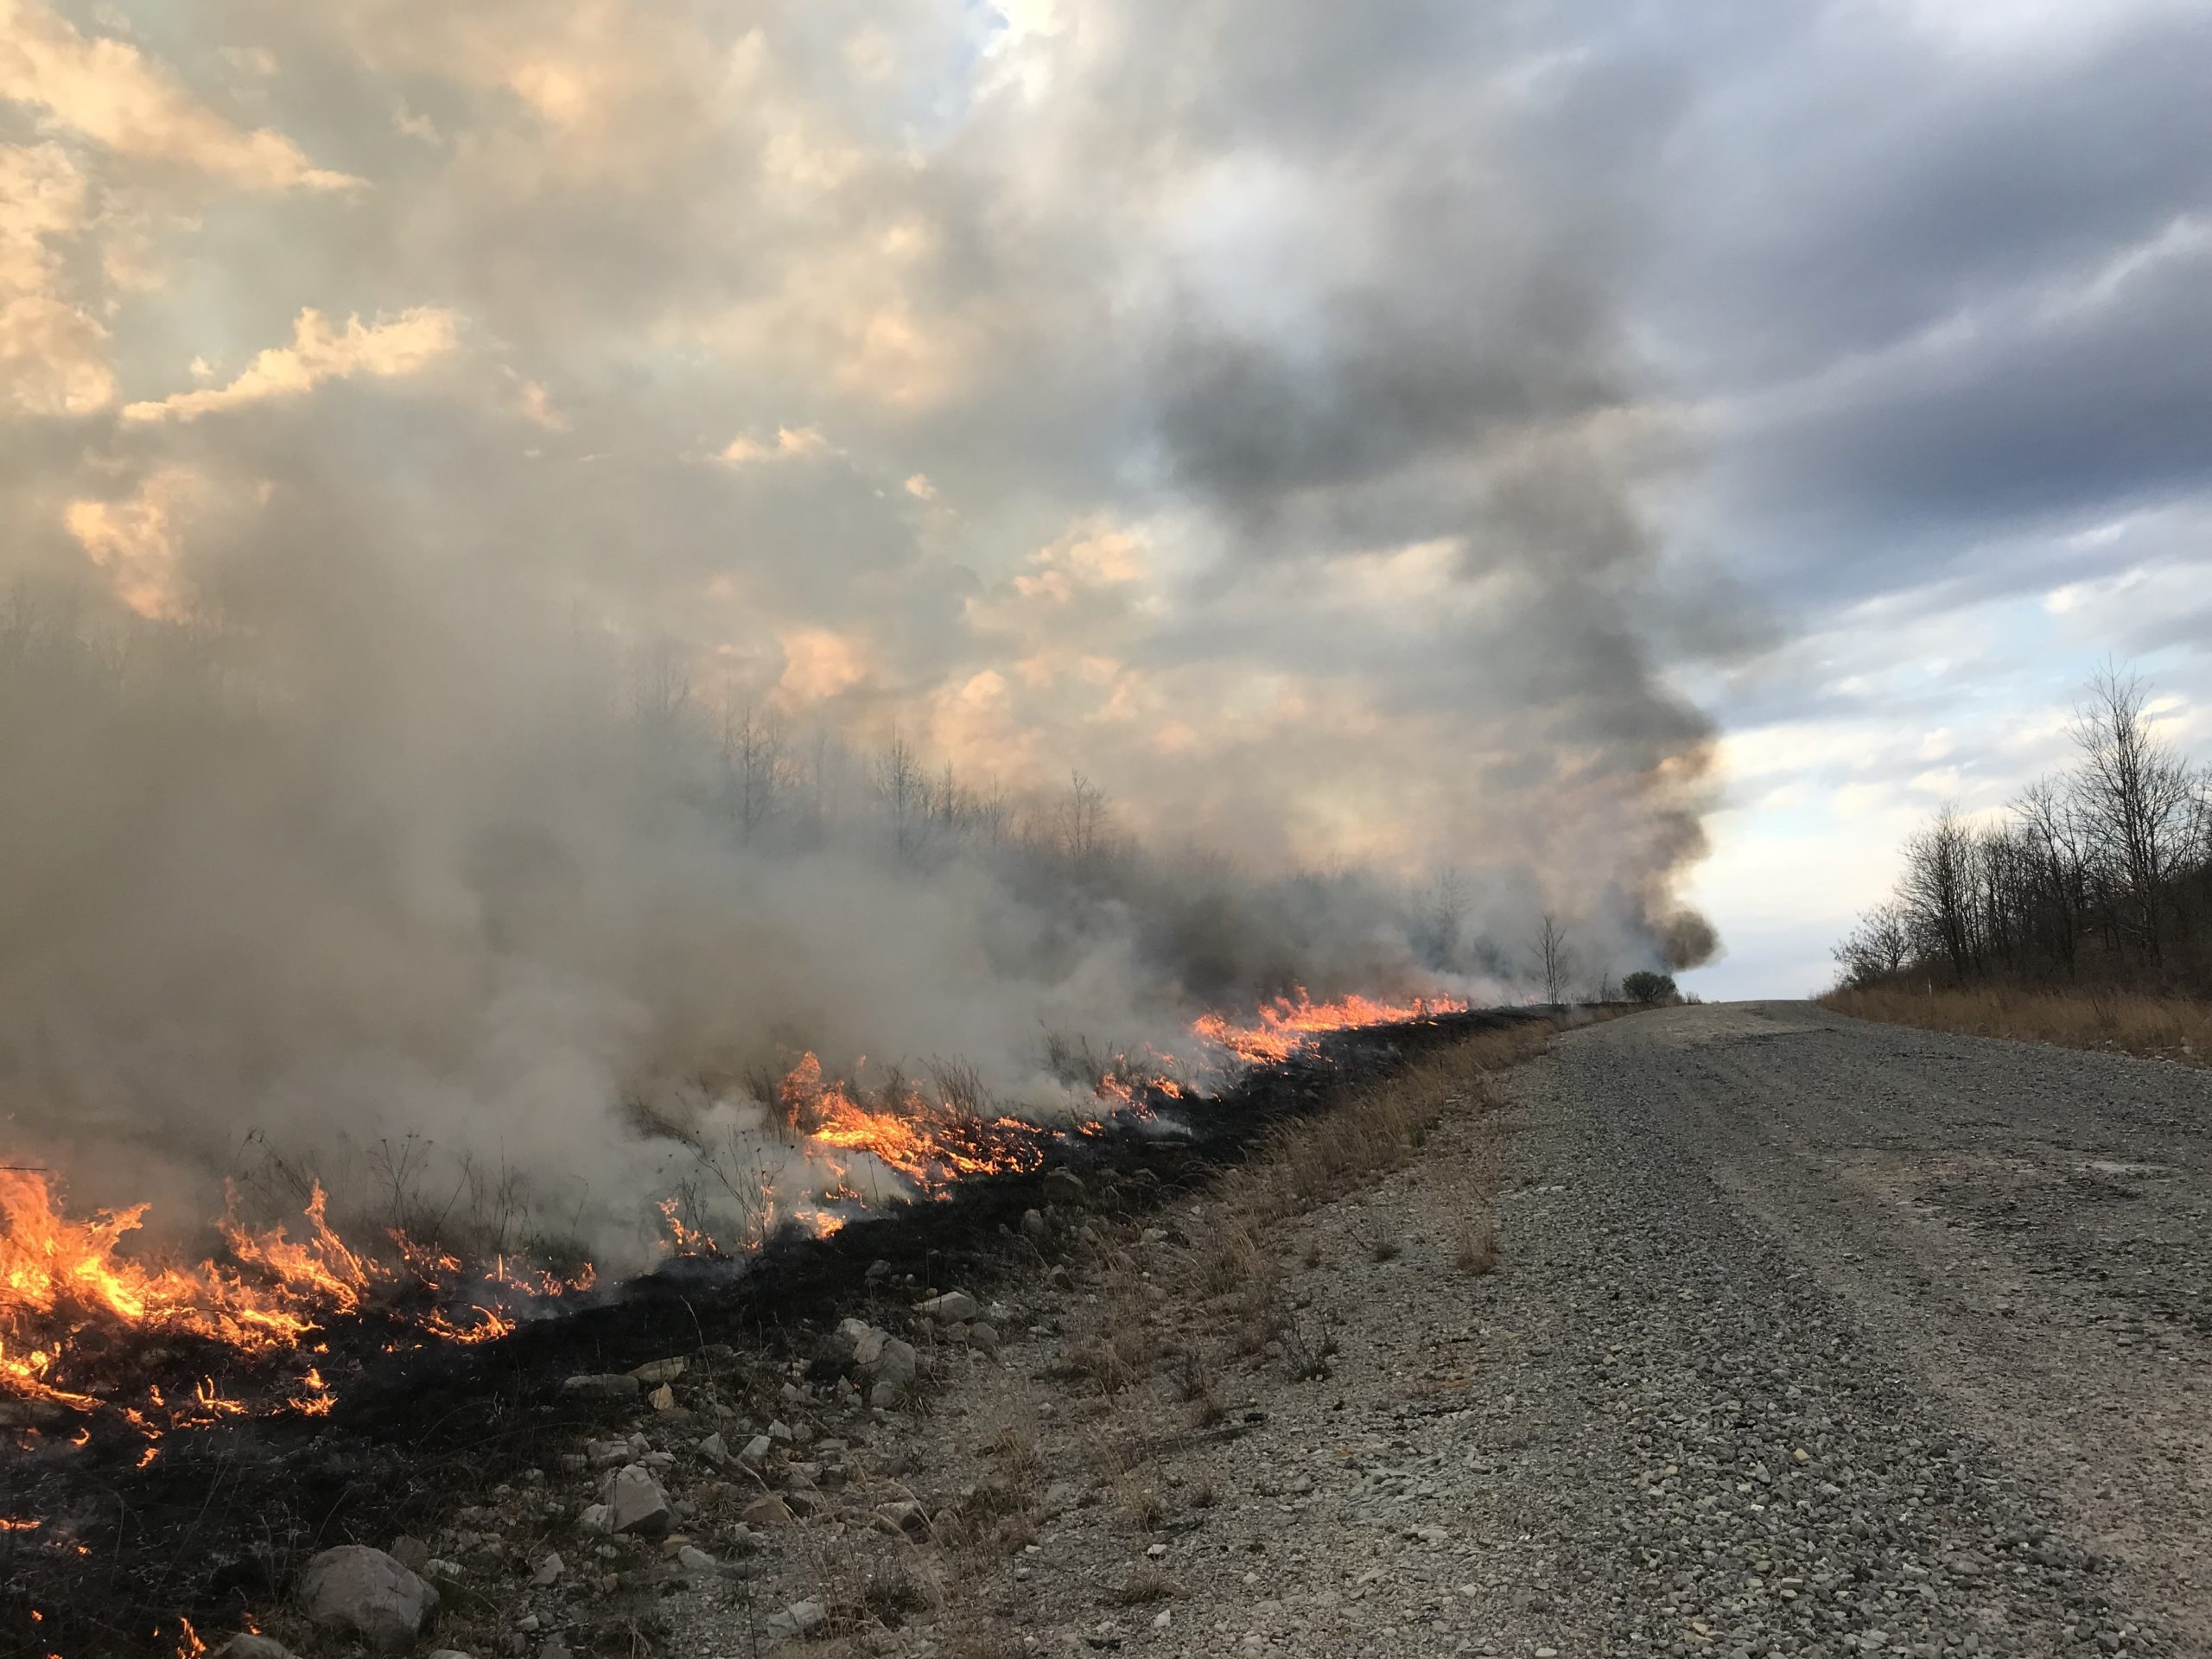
79	1305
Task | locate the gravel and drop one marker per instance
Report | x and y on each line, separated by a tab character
1808	1337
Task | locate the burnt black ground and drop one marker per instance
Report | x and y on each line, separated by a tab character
215	1527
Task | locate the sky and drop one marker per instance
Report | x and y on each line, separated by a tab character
1647	458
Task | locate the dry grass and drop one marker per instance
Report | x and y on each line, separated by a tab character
1315	1161
1382	1245
1475	1245
2131	1022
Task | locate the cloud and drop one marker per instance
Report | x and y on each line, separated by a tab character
110	93
53	352
792	444
404	344
136	542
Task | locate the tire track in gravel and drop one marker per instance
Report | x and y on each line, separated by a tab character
1780	1346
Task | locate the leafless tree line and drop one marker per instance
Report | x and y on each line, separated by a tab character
773	788
638	755
2102	874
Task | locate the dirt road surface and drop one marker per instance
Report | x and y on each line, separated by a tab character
1971	1282
1809	1336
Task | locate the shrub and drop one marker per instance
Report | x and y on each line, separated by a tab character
1648	988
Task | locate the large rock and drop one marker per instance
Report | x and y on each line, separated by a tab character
767	1510
1064	1186
654	1372
896	1364
636	1503
362	1593
797	1620
246	1645
951	1308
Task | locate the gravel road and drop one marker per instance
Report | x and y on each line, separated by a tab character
1902	1336
1809	1337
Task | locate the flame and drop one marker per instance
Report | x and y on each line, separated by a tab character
56	1272
929	1143
1292	1025
487	1324
62	1277
68	1282
189	1646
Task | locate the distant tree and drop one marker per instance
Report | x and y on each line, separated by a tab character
756	766
904	790
1877	948
1444	916
2102	874
1555	963
2137	797
1081	819
1935	892
1645	987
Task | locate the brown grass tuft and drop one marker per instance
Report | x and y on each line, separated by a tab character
1475	1245
1144	1587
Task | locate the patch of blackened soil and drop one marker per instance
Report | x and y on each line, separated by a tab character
218	1521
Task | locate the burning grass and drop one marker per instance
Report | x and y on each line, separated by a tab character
1294	1024
2129	1022
326	1422
74	1286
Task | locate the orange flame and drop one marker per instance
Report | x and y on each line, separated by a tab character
59	1276
930	1143
1292	1025
62	1276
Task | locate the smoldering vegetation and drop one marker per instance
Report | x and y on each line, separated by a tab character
503	933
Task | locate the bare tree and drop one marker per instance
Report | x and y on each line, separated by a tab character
1933	892
992	811
1878	948
663	690
1446	918
1081	819
2058	867
1554	961
2104	873
756	762
904	790
2135	795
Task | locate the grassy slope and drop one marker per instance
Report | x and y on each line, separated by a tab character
2130	1022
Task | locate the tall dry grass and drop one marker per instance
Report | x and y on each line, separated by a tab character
2130	1022
1309	1162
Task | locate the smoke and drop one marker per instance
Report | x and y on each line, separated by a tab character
591	551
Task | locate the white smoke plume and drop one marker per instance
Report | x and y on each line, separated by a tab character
563	554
